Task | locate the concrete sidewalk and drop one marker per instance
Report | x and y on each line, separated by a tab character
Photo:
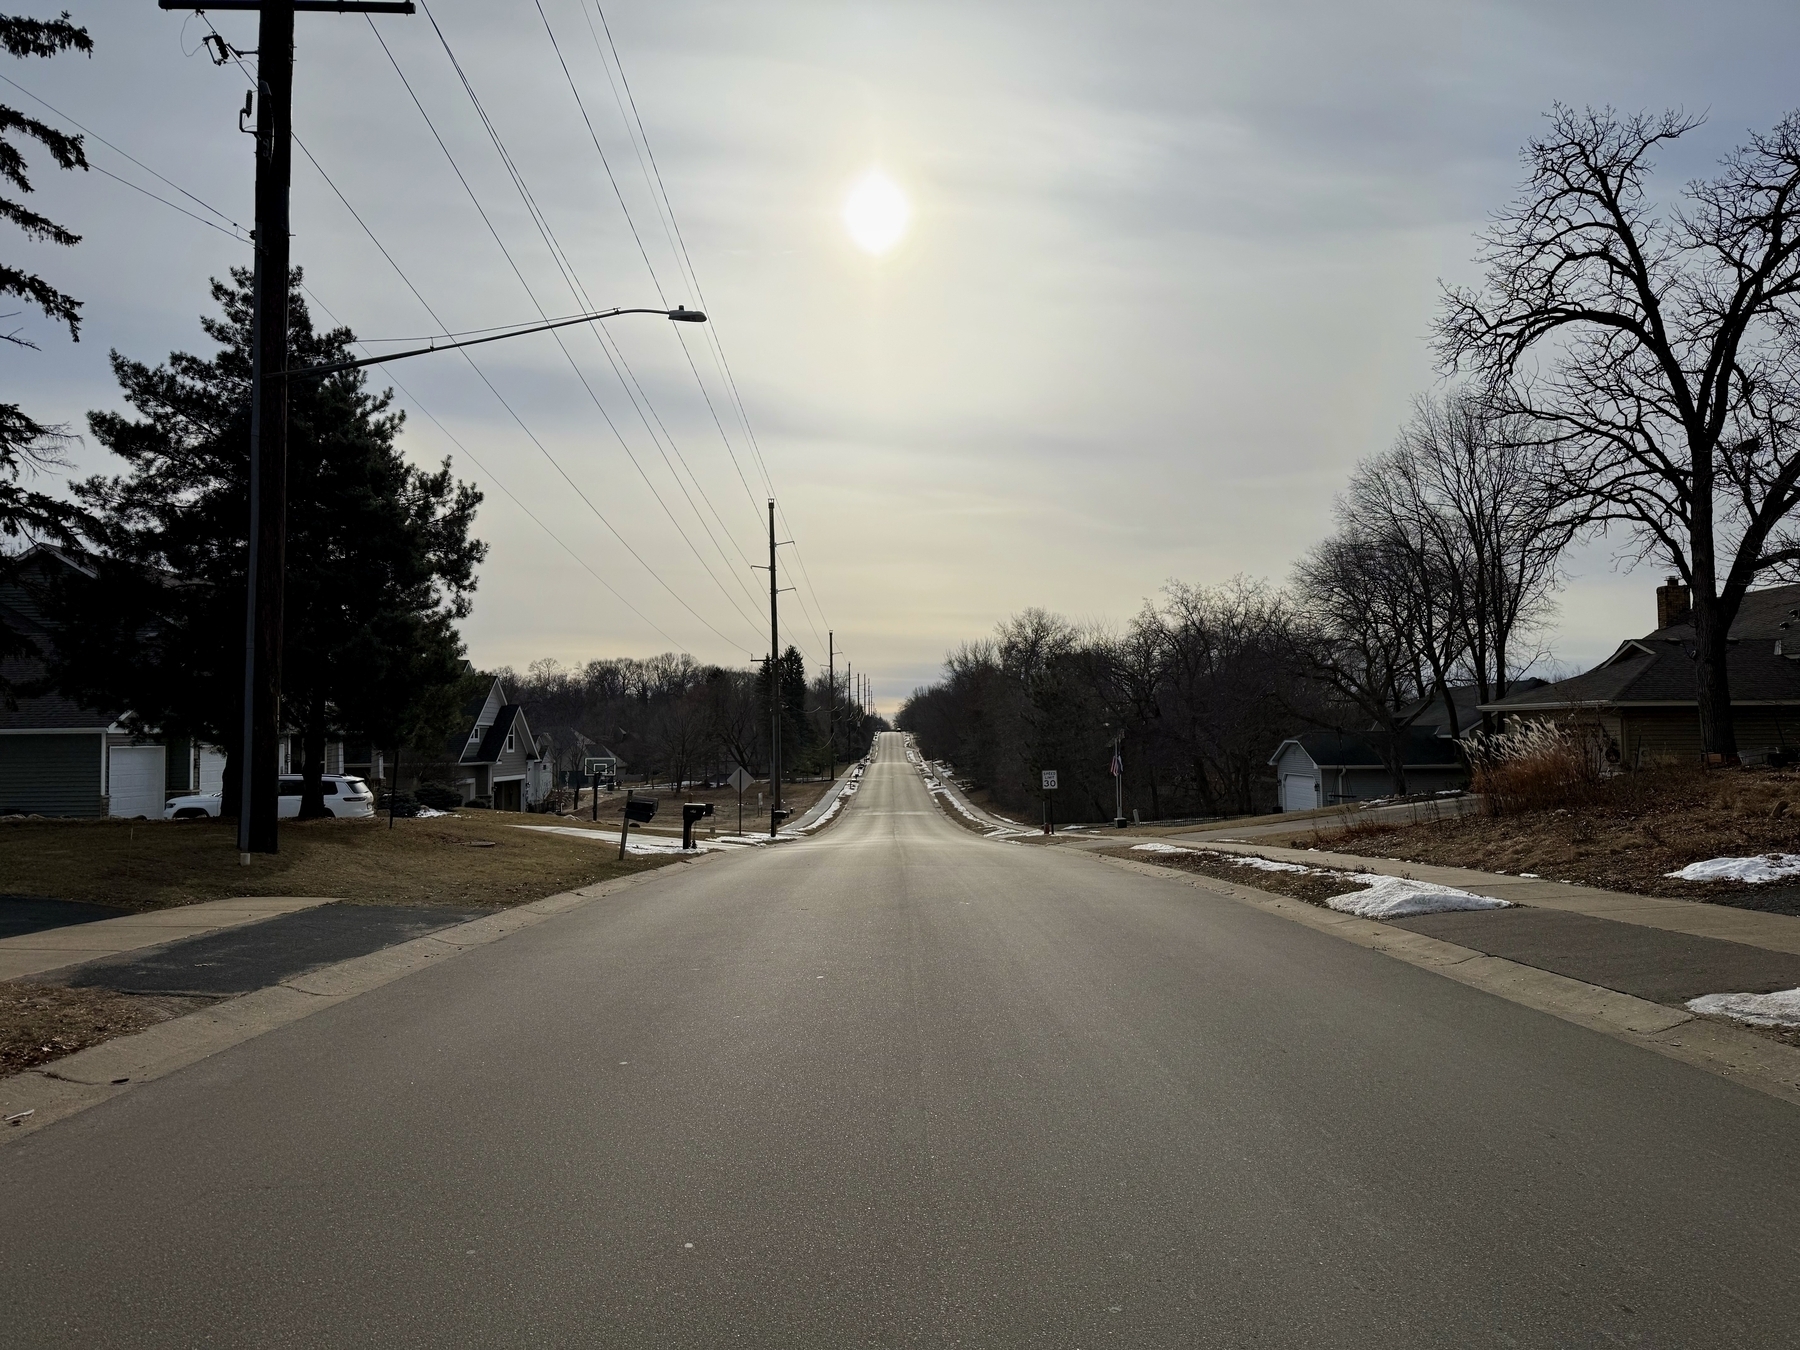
53	948
1772	932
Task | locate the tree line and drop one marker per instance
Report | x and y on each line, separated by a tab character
1626	366
671	718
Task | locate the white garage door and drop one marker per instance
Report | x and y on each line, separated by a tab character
135	775
1297	793
212	770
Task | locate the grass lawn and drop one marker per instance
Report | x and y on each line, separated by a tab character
472	858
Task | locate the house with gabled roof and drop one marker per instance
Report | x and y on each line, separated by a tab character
496	761
1644	698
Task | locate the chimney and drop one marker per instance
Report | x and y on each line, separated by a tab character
1672	603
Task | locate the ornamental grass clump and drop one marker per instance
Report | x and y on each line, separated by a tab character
1536	766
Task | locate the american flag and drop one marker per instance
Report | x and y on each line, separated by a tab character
1118	764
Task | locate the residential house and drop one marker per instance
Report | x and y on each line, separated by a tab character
57	757
496	762
60	758
1330	768
1643	700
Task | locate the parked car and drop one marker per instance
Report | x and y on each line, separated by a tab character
344	796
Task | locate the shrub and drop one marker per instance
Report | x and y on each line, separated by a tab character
402	804
1537	766
438	797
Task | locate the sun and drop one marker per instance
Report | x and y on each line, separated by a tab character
876	212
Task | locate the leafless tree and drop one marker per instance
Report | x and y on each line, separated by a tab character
1471	504
1660	348
1364	632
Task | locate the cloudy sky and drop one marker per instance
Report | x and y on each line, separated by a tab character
1168	273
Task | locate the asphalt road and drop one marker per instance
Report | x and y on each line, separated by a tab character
900	1085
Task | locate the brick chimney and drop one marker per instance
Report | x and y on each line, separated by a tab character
1672	603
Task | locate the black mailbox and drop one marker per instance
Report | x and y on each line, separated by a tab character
690	812
779	814
640	810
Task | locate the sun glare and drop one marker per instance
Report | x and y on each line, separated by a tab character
876	212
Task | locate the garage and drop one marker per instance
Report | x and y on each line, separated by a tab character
1299	792
135	777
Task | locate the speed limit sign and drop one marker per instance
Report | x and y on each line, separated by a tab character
1049	780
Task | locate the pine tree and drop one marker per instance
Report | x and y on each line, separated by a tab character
380	562
28	446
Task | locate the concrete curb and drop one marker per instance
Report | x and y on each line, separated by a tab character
66	1086
1765	1065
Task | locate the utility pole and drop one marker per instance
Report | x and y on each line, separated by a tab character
774	686
265	571
830	707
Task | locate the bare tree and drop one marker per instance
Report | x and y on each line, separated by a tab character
1658	349
1471	502
1362	633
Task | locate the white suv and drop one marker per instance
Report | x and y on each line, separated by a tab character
344	796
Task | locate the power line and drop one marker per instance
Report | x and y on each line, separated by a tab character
531	294
493	478
481	374
716	342
608	344
655	280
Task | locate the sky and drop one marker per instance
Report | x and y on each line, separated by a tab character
1168	272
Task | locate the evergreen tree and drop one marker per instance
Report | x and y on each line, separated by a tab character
27	445
380	562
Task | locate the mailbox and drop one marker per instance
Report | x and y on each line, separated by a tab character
691	812
640	811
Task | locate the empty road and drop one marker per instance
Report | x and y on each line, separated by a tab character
898	1085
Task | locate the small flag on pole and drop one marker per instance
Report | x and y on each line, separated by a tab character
1118	764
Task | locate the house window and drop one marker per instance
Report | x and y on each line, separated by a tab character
475	735
509	742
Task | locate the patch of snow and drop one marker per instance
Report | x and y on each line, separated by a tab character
1763	867
1269	864
1402	897
428	812
1780	1009
1529	876
1161	848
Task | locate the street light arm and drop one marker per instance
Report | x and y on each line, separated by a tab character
679	314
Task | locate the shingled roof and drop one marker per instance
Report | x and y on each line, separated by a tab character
1762	661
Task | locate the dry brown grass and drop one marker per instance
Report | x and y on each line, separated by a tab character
475	858
1625	835
1315	886
44	1022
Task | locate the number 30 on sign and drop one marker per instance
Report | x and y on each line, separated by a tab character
1049	780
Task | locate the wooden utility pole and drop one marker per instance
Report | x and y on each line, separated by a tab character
774	686
830	707
265	569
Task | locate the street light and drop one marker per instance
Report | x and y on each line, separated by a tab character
680	314
263	626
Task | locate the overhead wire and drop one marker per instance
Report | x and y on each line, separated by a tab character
608	344
643	252
532	296
684	261
511	411
320	303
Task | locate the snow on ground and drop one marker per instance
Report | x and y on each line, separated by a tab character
1763	867
1236	859
1780	1009
1402	897
637	843
428	812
